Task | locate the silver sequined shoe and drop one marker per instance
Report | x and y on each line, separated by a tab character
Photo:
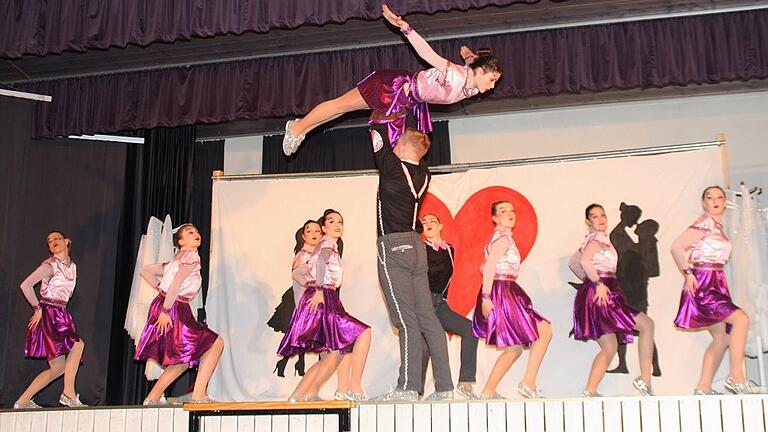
356	397
529	393
483	396
466	392
71	402
642	387
340	396
739	388
207	399
30	404
291	143
589	394
396	394
700	392
439	396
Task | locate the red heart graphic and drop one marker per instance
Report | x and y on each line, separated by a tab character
469	233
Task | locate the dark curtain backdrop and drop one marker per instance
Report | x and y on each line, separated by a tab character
342	150
77	187
99	193
633	55
16	127
43	27
169	174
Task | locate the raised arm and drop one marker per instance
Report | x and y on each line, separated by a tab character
173	290
586	261
419	44
498	248
28	285
681	245
574	263
152	273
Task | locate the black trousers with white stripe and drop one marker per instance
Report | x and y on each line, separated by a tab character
402	262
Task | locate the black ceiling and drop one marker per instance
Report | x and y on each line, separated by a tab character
356	33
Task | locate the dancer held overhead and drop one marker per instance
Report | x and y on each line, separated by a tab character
600	310
390	93
700	253
51	332
504	315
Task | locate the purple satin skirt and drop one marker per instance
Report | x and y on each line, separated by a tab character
384	92
184	342
711	302
54	335
329	328
513	321
591	321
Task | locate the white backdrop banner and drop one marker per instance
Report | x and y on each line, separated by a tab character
252	238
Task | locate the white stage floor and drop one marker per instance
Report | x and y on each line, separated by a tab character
656	414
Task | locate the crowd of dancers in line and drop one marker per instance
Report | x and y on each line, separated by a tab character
414	275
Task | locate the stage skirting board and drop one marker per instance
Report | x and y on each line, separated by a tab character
254	221
619	414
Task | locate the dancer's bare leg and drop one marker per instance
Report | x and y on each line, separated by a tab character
713	356
739	322
329	110
207	365
169	375
317	375
536	354
608	347
505	361
359	356
44	378
645	326
343	373
71	365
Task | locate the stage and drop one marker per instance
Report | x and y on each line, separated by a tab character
724	413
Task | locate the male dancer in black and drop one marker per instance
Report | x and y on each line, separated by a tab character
402	262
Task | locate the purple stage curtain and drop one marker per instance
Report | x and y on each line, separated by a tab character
636	55
41	27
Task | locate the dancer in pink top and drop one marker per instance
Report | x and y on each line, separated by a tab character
390	93
705	303
172	336
51	332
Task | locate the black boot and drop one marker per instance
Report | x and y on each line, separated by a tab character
300	365
280	367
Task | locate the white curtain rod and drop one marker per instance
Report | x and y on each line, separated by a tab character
445	169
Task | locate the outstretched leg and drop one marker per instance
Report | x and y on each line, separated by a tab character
329	110
505	361
44	378
169	375
739	322
645	326
358	358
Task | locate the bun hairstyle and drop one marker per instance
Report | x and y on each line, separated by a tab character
321	221
595	205
495	205
299	238
704	194
486	61
64	236
177	234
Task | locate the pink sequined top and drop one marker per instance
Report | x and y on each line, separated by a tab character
445	82
714	247
192	283
606	258
57	282
508	265
324	266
